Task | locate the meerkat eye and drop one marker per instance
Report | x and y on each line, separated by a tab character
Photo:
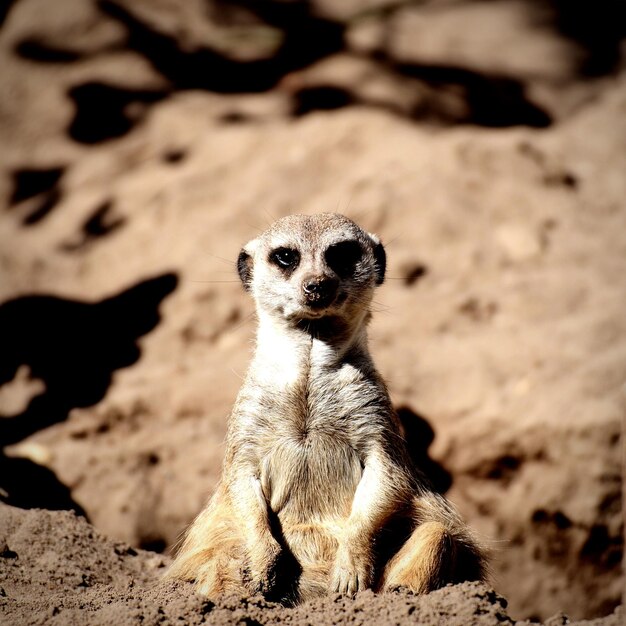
343	257
285	258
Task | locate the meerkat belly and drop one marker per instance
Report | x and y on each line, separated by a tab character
311	477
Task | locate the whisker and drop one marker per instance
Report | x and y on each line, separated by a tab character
379	307
343	210
390	242
239	376
361	215
272	217
244	321
258	229
220	258
382	311
346	210
214	281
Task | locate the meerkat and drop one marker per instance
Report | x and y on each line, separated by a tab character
318	493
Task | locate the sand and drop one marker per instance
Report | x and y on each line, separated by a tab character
144	143
57	569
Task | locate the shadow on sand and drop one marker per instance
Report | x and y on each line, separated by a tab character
74	348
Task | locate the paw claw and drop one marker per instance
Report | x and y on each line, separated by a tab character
350	575
262	568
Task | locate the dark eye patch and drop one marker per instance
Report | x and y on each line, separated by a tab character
286	259
342	257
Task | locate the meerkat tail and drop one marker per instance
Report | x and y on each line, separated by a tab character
440	550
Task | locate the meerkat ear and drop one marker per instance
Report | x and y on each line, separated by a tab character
244	269
380	257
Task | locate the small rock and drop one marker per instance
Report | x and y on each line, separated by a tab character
518	242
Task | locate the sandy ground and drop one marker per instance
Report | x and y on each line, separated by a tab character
144	142
60	570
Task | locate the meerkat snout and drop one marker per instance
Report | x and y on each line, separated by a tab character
319	291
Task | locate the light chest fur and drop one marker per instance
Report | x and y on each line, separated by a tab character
309	427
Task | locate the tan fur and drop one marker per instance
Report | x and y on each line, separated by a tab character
318	493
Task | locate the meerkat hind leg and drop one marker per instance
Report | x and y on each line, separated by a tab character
213	553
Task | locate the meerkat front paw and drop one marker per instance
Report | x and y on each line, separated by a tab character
351	572
262	566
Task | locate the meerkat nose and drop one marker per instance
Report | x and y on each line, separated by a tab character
319	290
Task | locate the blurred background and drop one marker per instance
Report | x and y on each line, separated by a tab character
143	142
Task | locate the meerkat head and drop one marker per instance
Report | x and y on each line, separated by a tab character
312	267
